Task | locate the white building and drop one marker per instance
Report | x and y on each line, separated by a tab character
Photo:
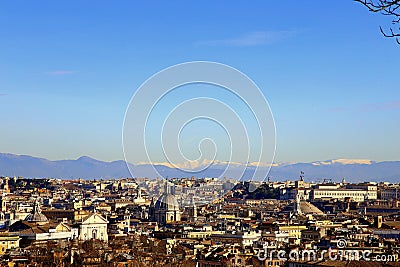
358	193
60	231
371	189
293	193
93	227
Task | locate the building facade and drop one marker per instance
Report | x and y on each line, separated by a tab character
93	227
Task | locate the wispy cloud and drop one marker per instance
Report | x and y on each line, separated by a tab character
250	39
388	105
370	107
339	109
60	72
3	94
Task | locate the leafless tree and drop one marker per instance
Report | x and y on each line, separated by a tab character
389	8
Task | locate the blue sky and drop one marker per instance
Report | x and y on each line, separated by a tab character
69	68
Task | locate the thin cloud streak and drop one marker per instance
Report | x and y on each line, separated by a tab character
388	105
60	72
339	109
250	39
371	107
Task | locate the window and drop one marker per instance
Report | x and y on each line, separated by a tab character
94	234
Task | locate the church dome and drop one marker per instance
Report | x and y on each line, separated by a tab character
166	209
167	202
36	215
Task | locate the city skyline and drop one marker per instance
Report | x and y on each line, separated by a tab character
69	71
199	134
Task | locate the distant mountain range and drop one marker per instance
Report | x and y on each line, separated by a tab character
89	168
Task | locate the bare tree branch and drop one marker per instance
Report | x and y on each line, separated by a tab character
388	8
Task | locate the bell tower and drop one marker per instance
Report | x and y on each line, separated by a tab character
6	187
192	210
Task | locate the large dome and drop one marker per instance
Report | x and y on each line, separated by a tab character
36	215
167	202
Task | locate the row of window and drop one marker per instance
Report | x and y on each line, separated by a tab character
344	194
12	242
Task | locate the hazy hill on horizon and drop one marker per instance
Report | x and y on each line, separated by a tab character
89	168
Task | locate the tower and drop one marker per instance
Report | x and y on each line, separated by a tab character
6	187
297	207
151	210
300	183
192	210
3	204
